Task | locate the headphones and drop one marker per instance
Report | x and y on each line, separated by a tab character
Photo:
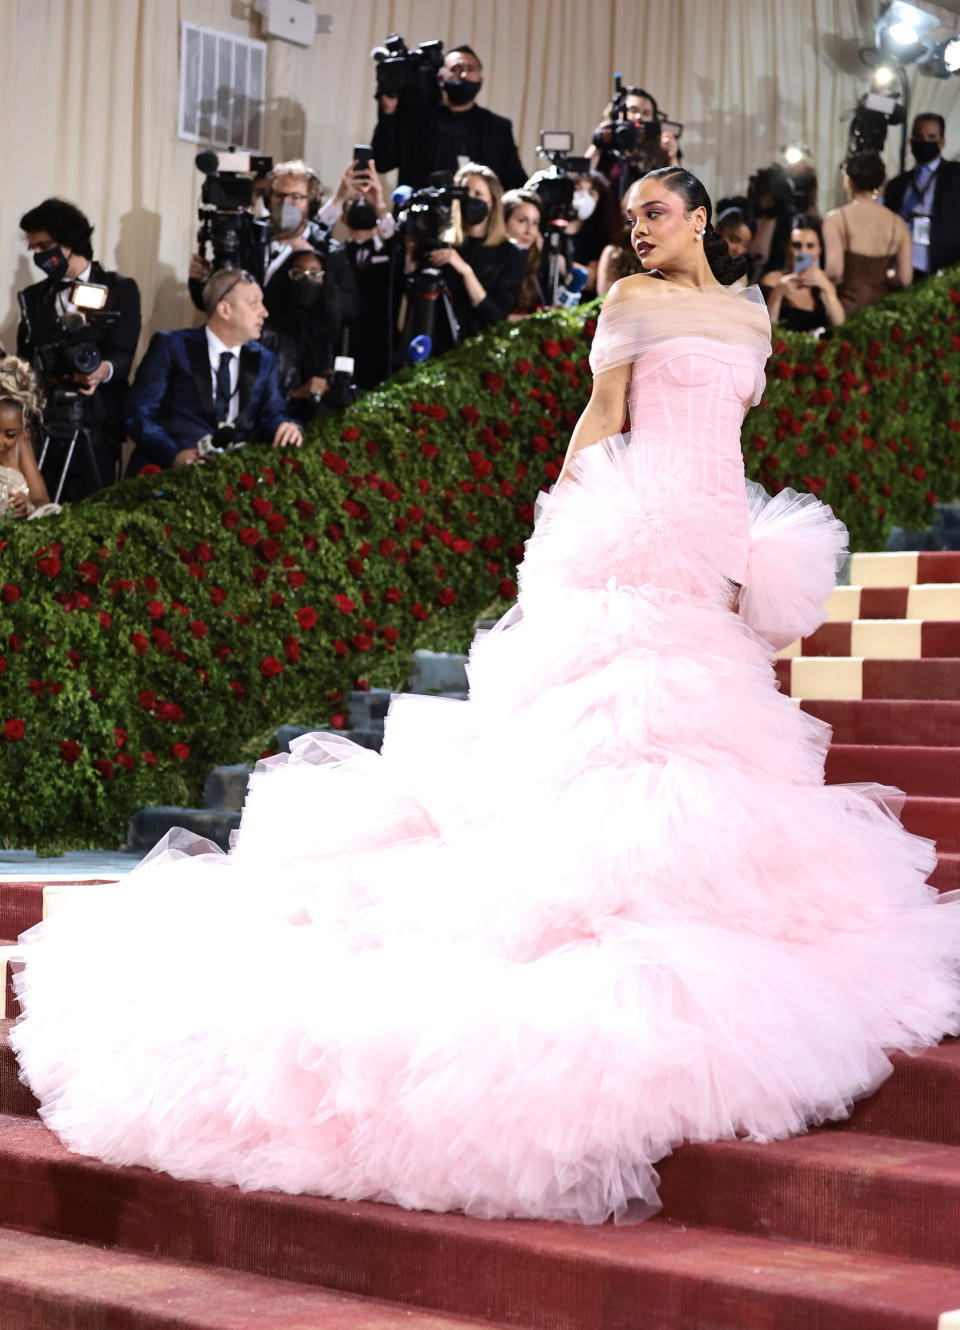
313	204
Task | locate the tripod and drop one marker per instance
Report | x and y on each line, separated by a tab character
426	293
66	428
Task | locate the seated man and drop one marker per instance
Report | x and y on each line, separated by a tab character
195	379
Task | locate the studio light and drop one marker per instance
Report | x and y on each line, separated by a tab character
883	75
793	154
951	55
904	32
943	60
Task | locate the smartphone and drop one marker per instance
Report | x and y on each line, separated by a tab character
362	153
801	262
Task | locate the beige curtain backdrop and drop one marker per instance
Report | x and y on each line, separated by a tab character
89	98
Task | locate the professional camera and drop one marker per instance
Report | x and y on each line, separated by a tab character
554	184
426	215
226	223
620	134
408	73
874	114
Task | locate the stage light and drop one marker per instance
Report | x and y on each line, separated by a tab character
793	154
883	75
902	34
951	55
943	60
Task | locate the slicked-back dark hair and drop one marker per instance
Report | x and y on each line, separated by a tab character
680	181
63	222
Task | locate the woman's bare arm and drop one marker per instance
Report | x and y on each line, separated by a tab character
605	277
602	416
903	264
31	474
832	248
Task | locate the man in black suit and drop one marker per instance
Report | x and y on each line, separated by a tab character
193	380
59	237
421	140
928	198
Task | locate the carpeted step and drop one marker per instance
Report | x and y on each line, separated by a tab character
881	639
932	600
839	1189
15	1099
57	1285
917	770
903	569
946	875
938	819
889	721
563	1276
21	902
839	678
920	1101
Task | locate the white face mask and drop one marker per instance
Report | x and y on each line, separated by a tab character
288	218
584	204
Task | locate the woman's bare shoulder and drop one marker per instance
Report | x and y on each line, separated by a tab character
638	286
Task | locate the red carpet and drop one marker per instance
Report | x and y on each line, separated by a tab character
851	1227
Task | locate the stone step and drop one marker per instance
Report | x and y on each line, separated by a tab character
365	738
844	678
53	1284
658	1275
930	600
439	672
226	787
148	825
881	639
907	568
889	720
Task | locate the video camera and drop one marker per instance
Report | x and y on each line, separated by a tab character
77	350
426	215
554	184
874	114
408	73
226	223
627	136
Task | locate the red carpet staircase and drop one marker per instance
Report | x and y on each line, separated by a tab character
855	1227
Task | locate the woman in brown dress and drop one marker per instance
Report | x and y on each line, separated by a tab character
867	247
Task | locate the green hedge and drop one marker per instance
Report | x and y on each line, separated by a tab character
172	622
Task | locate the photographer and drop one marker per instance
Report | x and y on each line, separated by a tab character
631	139
521	216
802	298
482	267
423	130
59	237
213	381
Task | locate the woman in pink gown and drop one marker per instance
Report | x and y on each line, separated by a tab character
605	906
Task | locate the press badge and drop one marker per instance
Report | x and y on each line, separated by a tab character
920	229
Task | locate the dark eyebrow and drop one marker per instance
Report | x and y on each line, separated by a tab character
654	203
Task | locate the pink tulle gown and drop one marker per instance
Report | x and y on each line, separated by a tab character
605	906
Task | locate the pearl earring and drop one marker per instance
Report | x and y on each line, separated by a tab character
701	231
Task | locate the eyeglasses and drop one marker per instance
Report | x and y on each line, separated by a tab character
294	198
298	275
242	276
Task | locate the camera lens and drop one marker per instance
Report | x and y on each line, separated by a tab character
86	358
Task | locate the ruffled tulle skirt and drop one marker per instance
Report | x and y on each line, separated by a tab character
606	906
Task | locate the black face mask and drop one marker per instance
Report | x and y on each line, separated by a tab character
361	216
305	294
51	261
461	92
473	211
924	150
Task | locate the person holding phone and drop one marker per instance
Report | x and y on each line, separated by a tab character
358	201
801	297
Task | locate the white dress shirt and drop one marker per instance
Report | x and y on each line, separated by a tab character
215	349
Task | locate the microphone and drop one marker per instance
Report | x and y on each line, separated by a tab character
401	196
572	289
419	348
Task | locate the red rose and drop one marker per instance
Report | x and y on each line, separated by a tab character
155	609
270	549
203	553
180	751
506	489
198	628
351	434
507	588
447	596
551	348
74	657
161	638
139	643
15	642
343	603
169	711
70	751
270	667
249	535
49	566
89	572
246	481
14	729
340	647
363	642
335	463
151	469
261	506
919	473
419	611
127	761
105	619
304	507
296	579
429	450
393	595
338	721
217	595
119	737
104	768
291	649
230	518
389	635
523	367
462	546
276	522
436	412
306	617
470	414
149	758
276	599
148	699
10	592
493	382
237	688
268	474
930	497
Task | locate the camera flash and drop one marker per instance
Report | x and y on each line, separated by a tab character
88	295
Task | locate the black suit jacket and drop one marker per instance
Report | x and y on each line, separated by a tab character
170	406
413	141
944	213
118	342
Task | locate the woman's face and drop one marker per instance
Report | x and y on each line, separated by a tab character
11	427
803	241
523	224
639	108
661	232
478	188
738	238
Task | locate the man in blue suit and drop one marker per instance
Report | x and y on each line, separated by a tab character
195	379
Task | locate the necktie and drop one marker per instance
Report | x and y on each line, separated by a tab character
222	403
